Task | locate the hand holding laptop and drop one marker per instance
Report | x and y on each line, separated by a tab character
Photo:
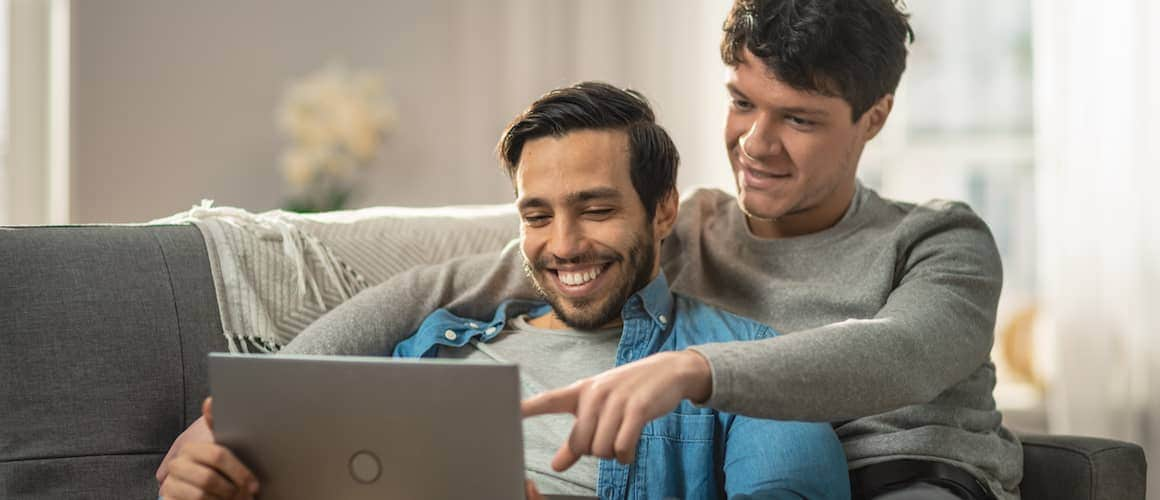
198	432
202	466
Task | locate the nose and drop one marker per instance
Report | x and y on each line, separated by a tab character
567	239
760	140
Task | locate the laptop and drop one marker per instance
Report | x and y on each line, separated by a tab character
364	427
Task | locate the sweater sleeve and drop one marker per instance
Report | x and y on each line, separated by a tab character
376	319
935	330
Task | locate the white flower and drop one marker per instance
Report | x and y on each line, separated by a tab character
336	121
299	166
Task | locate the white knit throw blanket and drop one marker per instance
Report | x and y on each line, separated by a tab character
276	272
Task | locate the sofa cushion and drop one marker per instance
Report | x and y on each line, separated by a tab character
98	476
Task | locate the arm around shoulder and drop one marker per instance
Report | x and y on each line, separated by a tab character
376	319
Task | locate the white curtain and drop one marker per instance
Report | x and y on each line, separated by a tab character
34	137
1097	105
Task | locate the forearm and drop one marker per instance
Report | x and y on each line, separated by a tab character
924	341
776	378
375	320
932	332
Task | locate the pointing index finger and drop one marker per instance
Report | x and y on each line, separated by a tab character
563	400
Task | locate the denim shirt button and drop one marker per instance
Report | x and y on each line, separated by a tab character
490	330
450	335
662	319
473	325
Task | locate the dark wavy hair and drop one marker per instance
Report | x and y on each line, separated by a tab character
653	157
852	49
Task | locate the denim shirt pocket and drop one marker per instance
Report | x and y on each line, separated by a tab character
676	456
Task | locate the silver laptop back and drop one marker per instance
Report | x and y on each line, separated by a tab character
356	427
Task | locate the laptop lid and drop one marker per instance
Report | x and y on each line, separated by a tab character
364	427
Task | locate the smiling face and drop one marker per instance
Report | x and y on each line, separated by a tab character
587	240
794	153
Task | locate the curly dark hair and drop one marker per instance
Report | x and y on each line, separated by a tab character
653	157
853	49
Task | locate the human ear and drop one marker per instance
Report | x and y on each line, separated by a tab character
666	215
875	117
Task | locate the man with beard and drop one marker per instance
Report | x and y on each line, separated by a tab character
595	183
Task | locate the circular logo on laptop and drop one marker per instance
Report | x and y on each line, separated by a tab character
365	467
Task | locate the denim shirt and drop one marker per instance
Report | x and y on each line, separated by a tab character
692	452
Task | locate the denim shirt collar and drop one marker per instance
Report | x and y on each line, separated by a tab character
654	302
444	328
655	299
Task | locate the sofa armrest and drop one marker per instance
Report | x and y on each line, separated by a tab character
1075	467
104	332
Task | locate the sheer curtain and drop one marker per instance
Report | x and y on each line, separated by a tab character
1097	104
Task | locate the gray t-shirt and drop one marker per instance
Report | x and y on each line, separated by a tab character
548	359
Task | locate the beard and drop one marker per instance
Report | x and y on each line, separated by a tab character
590	313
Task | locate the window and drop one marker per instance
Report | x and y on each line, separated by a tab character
962	129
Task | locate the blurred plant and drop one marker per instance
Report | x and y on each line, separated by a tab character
336	121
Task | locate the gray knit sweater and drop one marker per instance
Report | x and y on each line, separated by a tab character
886	320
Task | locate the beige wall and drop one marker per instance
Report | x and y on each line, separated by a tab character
174	101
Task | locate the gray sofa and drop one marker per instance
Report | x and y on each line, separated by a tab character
104	332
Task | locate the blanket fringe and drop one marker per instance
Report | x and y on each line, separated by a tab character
274	226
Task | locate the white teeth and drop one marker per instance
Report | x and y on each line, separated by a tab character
575	279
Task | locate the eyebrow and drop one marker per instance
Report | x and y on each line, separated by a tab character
576	198
792	110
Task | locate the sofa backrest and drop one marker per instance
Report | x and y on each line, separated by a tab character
104	332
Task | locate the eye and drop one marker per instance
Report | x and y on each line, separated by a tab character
536	220
598	213
800	122
741	104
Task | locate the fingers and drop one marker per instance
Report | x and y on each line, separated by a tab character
612	408
199	432
163	469
563	400
207	411
607	425
584	428
211	462
618	430
531	492
564	458
196	480
628	434
175	489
